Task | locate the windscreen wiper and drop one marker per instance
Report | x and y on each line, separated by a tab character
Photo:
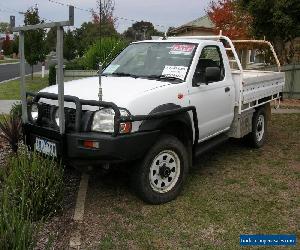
163	77
122	74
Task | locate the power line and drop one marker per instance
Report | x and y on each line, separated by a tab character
11	10
91	11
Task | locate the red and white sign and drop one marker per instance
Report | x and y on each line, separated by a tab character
182	49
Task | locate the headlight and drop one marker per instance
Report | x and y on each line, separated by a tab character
56	117
34	112
104	121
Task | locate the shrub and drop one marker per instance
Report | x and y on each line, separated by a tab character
103	51
11	131
16	110
52	75
75	64
39	179
16	231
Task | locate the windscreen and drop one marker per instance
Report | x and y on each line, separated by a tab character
154	60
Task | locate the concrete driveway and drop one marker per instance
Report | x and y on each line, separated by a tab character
5	105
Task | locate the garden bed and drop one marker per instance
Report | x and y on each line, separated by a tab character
59	228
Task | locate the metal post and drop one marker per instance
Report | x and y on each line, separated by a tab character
100	82
60	78
22	77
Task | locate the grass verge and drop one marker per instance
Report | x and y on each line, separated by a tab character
231	190
11	90
8	61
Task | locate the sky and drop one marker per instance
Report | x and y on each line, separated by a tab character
166	13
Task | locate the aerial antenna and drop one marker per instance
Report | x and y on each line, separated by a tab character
100	63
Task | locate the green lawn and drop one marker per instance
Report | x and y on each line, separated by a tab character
9	61
11	90
231	190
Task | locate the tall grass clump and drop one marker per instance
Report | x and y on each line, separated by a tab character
31	190
103	51
16	230
41	182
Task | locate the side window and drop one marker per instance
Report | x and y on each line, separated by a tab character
210	57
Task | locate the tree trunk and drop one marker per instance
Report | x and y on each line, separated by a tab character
31	72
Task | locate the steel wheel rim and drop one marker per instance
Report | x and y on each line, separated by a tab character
260	128
164	171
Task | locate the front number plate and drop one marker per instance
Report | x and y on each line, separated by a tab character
45	147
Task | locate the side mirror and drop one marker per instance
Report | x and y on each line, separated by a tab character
212	74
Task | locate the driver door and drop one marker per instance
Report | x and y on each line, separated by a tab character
213	100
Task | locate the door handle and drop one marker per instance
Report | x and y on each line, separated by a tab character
227	89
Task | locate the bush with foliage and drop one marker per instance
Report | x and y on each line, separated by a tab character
39	179
16	110
103	51
75	64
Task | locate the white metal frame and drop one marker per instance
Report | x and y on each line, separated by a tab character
262	42
59	55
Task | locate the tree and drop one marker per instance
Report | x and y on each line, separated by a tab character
90	32
277	21
104	19
69	45
34	39
50	42
106	9
15	47
141	30
7	45
228	16
4	27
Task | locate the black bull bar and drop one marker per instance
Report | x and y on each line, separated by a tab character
118	119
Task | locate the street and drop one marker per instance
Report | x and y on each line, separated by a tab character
9	71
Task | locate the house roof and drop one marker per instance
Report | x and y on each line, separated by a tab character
203	23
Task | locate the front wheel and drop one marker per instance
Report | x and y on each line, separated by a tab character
259	129
160	176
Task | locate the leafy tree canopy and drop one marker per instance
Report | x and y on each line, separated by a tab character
90	32
34	39
69	45
7	45
140	29
230	18
277	20
4	27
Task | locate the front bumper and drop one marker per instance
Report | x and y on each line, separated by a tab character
70	147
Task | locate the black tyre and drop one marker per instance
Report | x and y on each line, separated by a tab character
259	129
160	176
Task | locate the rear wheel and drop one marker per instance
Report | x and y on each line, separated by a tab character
160	176
259	129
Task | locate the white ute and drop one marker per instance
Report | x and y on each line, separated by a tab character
164	102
